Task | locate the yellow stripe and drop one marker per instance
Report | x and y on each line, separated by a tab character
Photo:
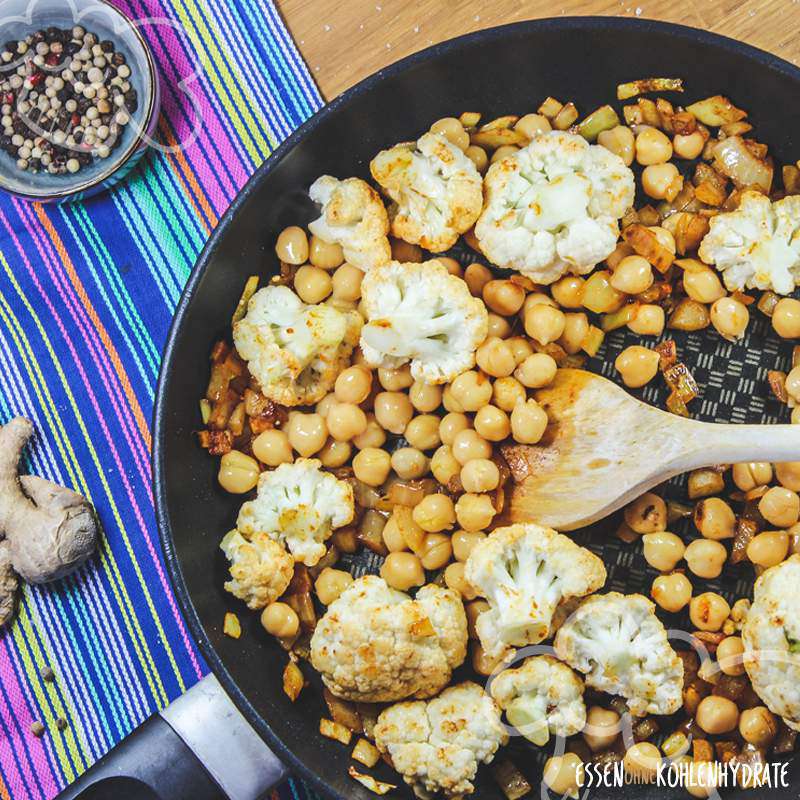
107	558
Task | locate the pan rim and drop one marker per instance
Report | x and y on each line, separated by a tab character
557	25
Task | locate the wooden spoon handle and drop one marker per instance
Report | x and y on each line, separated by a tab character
730	444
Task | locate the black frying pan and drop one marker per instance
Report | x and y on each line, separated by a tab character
503	70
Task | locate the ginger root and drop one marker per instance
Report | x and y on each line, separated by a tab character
9	584
49	530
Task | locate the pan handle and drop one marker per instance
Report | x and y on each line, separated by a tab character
198	748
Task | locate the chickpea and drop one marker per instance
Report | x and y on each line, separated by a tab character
281	620
451	265
544	323
536	371
619	140
467	445
688	146
393	411
307	433
507	392
474	512
531	124
792	384
780	506
637	365
708	611
714	518
291	246
464	541
444	465
477	155
434	513
768	548
425	397
703	285
537	299
325	405
476	276
729	317
402	570
758	726
373	436
271	447
496	358
705	557
672	592
238	472
472	390
449	402
564	774
346	283
345	421
452	130
330	583
481	661
576	326
729	655
649	320
324	254
717	715
423	432
473	610
353	385
451	425
642	759
788	474
786	318
312	284
480	475
395	380
503	296
602	728
521	348
335	454
568	291
503	152
405	252
647	514
701	778
371	465
436	550
633	275
662	181
492	423
528	422
409	463
663	550
454	579
652	147
751	474
392	536
498	326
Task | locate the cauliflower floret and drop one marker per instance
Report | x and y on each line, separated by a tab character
436	190
541	697
295	351
553	207
354	217
300	505
260	568
771	636
758	245
377	645
421	313
525	571
437	746
619	643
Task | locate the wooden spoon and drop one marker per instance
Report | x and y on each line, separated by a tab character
603	448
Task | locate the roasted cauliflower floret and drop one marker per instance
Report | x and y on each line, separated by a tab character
541	697
758	245
377	645
260	568
619	643
422	314
437	746
771	636
553	207
295	351
354	217
436	190
525	571
300	505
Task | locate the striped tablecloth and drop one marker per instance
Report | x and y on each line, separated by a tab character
87	292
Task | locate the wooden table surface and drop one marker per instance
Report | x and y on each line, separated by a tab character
343	41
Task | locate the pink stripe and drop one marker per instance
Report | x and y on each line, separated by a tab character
113	450
92	340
